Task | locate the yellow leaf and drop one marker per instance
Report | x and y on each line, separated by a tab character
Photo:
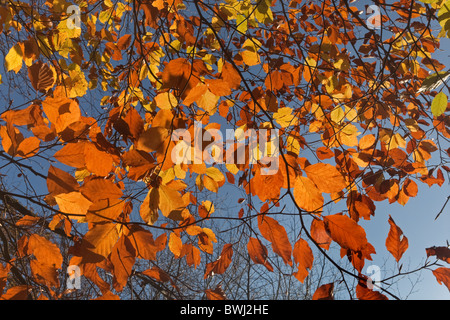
166	100
14	58
215	174
285	118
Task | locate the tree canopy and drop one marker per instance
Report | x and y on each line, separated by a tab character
158	147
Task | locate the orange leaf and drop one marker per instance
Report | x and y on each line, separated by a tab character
326	177
157	274
346	232
324	153
324	292
143	243
122	258
396	242
74	204
258	253
307	195
319	234
98	162
443	276
28	147
97	243
272	231
171	203
152	139
364	293
27	221
303	256
192	254
59	181
216	294
221	264
16	293
105	210
44	251
98	188
231	76
72	154
175	245
44	274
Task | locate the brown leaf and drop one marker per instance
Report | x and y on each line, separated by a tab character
441	253
41	76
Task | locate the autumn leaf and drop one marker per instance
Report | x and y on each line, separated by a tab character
441	253
73	203
324	292
175	245
396	242
326	177
122	258
346	232
98	242
304	258
45	251
439	104
258	253
307	195
221	264
442	276
272	231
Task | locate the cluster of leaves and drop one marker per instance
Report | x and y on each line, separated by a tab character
358	124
